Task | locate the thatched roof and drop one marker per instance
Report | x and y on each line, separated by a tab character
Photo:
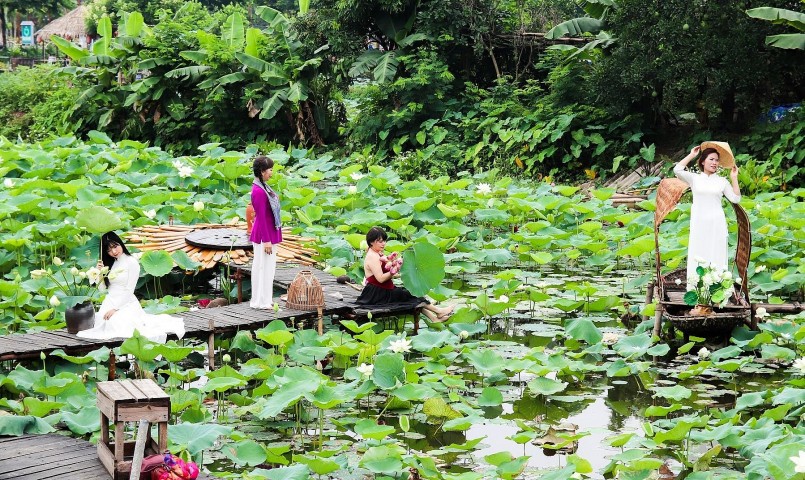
70	26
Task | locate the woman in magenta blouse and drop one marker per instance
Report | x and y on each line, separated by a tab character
266	233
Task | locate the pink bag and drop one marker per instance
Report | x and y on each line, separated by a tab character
167	467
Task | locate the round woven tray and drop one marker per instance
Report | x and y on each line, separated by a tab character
717	323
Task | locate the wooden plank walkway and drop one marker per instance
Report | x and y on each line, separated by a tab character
339	299
40	457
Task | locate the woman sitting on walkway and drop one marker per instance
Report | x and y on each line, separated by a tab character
380	288
120	312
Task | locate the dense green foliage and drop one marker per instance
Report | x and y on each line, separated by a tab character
443	86
679	56
35	103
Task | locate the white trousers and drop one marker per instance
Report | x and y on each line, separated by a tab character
263	267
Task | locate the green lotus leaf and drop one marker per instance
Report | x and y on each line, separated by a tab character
15	425
546	386
423	268
389	370
156	262
490	397
386	459
368	428
583	329
86	420
245	452
97	219
195	437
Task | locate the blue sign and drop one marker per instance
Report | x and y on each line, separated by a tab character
27	32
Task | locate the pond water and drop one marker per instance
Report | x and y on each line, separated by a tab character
593	408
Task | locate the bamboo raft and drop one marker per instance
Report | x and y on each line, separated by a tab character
171	238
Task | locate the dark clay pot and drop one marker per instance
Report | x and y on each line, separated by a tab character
80	317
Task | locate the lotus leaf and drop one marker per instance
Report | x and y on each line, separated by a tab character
14	425
195	437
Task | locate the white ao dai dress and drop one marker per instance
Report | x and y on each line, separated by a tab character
708	225
130	315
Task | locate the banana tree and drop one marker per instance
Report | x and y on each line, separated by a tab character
594	23
271	69
781	16
107	65
384	64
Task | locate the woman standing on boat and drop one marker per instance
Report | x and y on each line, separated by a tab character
266	234
707	243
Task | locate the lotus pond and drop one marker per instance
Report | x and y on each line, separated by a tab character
544	371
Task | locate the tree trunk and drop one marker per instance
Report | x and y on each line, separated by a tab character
3	25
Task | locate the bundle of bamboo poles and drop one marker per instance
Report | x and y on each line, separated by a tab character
170	238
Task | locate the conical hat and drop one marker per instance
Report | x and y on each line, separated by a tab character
725	157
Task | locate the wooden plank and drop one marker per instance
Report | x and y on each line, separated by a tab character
115	391
65	458
151	389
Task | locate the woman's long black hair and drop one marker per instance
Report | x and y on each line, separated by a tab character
260	165
108	239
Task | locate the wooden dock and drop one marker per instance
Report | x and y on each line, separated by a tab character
206	323
40	457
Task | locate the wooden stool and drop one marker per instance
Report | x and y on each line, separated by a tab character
130	401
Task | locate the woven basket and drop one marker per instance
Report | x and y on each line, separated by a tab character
717	323
305	292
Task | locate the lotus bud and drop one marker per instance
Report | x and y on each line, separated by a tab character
57	261
54	301
226	358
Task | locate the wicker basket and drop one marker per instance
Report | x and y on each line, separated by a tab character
305	292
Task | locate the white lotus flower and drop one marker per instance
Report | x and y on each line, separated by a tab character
38	273
94	275
463	334
799	364
82	275
74	271
57	261
760	268
761	313
700	261
150	213
234	220
198	206
8	183
726	276
484	189
402	345
226	358
704	353
185	171
54	301
678	281
177	164
366	370
352	189
503	299
610	338
356	176
799	462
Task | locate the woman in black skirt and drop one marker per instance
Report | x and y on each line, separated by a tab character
380	288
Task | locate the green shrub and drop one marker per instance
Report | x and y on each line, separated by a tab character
776	154
34	103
